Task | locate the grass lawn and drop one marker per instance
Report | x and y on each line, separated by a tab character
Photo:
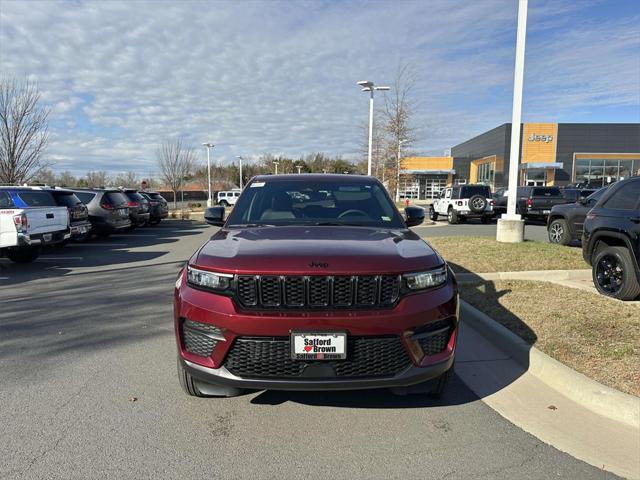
592	334
484	255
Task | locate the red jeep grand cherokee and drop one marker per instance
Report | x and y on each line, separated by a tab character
315	282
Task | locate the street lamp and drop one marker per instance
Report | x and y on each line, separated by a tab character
368	86
276	163
240	158
298	167
209	146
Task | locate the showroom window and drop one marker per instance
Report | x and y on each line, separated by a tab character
600	172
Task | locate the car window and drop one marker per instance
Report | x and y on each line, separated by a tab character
66	199
116	198
594	197
315	202
37	199
471	190
546	192
5	200
85	197
625	197
135	196
236	194
447	194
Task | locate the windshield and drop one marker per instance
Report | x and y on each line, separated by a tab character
299	202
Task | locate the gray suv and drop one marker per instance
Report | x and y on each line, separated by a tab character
108	210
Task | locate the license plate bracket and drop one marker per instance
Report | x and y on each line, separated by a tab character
318	345
46	237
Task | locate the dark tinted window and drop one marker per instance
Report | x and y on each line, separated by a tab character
594	197
156	196
625	197
135	196
85	197
470	191
116	198
546	192
66	199
37	199
315	202
5	200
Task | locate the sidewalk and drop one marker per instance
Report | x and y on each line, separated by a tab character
515	386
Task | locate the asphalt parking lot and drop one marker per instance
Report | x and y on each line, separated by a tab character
89	390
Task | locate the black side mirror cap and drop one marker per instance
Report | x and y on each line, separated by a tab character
414	216
214	216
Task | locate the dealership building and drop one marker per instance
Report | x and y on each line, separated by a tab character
550	154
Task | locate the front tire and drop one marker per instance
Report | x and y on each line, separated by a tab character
452	216
433	216
23	255
559	232
614	274
187	382
224	204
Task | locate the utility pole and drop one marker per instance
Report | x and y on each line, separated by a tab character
511	226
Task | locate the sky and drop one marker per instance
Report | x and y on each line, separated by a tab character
257	77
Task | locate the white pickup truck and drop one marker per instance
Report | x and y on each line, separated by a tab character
30	219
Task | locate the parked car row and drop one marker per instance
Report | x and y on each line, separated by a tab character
33	217
461	202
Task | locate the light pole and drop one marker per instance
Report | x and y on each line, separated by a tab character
240	158
298	167
400	142
511	226
368	86
276	163
209	146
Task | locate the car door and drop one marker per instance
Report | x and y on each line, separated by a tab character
443	204
577	215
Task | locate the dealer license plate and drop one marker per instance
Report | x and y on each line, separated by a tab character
546	212
318	346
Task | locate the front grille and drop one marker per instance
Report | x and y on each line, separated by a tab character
270	357
436	336
270	291
197	337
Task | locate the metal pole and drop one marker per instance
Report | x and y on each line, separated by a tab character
298	167
518	81
209	203
370	131
240	158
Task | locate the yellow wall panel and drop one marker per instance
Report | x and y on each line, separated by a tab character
426	163
539	142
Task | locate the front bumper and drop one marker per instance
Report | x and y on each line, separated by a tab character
405	322
222	377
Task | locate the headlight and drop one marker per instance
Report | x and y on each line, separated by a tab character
429	279
208	280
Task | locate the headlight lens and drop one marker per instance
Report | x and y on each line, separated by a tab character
208	280
428	279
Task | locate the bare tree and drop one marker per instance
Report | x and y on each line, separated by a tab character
127	179
95	179
67	179
177	163
398	112
23	131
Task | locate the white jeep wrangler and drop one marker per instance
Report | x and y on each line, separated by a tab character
463	201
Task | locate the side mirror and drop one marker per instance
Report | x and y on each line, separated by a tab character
583	201
415	216
214	216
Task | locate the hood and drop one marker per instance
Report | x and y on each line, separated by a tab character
314	250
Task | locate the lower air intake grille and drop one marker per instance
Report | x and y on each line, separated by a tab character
270	357
436	337
197	339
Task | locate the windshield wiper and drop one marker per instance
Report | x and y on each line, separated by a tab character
250	225
338	224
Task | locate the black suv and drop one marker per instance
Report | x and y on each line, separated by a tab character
158	207
138	208
611	240
78	213
565	221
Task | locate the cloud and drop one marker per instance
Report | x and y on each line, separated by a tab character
257	77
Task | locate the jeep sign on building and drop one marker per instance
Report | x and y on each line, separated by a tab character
592	154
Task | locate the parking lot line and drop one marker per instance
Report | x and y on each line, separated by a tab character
134	235
96	245
55	259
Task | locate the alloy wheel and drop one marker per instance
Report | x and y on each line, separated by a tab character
556	232
609	274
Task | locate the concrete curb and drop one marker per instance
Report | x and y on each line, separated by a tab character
545	275
598	398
